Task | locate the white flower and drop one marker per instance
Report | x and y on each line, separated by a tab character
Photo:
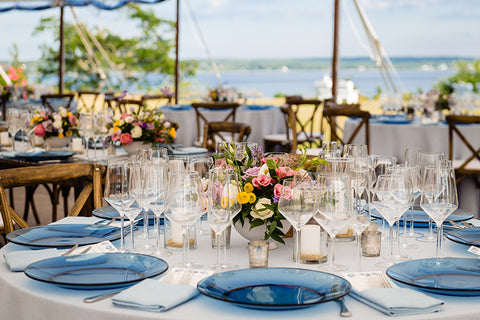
264	170
260	211
129	119
62	112
57	121
116	117
136	132
167	124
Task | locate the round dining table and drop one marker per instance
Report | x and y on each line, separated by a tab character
22	298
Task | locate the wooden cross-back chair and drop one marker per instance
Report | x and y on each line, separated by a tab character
215	131
202	117
85	175
87	99
300	116
153	102
110	101
332	110
48	100
470	166
3	104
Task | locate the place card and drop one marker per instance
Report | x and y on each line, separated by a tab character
101	247
368	280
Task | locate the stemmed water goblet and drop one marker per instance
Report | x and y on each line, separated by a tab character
13	123
297	203
223	188
334	207
85	126
439	196
355	150
185	204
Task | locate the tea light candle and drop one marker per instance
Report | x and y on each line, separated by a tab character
77	144
310	240
177	236
4	138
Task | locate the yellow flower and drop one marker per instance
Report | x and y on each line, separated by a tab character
60	135
172	133
69	114
252	198
69	133
248	187
226	201
117	123
243	197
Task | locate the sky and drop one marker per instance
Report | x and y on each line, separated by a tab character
249	29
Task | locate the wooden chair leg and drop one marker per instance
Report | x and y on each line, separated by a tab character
30	203
65	193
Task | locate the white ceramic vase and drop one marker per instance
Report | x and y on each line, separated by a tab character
136	145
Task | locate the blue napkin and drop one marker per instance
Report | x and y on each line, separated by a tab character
18	260
398	301
153	295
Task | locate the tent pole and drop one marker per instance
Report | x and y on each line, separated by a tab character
177	65
61	55
336	40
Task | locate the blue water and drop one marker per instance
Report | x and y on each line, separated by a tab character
269	83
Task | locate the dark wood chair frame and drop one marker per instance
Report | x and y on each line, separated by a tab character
215	129
81	99
46	99
3	104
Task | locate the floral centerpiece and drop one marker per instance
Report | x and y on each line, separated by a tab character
148	127
63	123
15	82
261	178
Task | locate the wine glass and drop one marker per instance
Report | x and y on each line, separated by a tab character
85	126
411	156
355	150
426	159
184	205
13	123
202	165
391	199
360	220
142	188
297	204
439	197
157	203
223	188
334	207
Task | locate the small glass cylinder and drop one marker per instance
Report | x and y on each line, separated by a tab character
371	243
228	233
258	254
173	236
313	244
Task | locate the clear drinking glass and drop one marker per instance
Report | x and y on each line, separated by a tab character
361	219
13	123
355	150
185	204
85	127
334	208
223	188
297	204
439	197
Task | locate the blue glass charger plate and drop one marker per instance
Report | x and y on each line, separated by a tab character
64	235
42	156
468	236
274	288
96	270
420	217
258	107
448	276
108	212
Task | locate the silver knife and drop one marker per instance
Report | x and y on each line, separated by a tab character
101	297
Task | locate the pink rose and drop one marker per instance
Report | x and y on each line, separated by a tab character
116	135
261	181
24	82
126	138
39	130
283	172
264	160
284	192
123	116
73	120
251	172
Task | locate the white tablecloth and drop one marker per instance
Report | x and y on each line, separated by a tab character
392	139
262	121
24	298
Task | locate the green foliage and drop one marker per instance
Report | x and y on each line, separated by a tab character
468	71
148	52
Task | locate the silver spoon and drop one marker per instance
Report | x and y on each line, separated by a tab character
344	312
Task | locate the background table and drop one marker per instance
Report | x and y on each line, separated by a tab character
24	298
263	120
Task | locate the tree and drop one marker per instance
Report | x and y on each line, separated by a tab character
134	57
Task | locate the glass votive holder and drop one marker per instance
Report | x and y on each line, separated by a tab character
174	236
258	254
227	233
312	244
371	242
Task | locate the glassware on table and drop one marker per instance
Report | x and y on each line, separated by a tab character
202	165
223	188
297	204
185	204
355	150
241	149
13	123
160	156
391	198
101	129
117	195
439	197
334	207
411	156
157	204
85	127
143	189
338	165
361	219
426	159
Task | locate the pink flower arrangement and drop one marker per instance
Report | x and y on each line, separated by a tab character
61	124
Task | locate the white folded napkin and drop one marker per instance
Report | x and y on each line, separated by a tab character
153	295
19	260
398	301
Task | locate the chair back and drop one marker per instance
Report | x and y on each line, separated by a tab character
153	102
302	119
469	166
87	99
202	117
50	101
86	175
333	110
124	105
215	131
